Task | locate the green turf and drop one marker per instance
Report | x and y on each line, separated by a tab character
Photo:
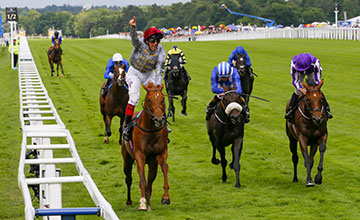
196	189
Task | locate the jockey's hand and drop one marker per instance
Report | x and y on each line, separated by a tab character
111	75
303	91
221	95
234	63
132	22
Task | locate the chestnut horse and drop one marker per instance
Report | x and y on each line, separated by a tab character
115	101
225	127
148	146
246	76
309	128
55	57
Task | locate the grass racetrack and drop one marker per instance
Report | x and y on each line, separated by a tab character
196	188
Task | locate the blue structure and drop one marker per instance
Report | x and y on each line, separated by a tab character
1	26
269	22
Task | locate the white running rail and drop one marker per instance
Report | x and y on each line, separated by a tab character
43	133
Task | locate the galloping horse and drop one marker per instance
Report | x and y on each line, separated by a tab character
225	127
176	84
246	77
148	146
55	57
309	128
114	102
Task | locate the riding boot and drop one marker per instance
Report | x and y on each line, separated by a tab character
127	128
327	108
105	88
292	106
247	113
211	107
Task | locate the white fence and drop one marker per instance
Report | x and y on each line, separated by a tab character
305	33
43	134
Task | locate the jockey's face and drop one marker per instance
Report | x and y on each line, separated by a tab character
118	63
224	79
153	43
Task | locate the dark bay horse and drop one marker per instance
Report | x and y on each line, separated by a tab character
225	127
176	83
309	128
115	101
246	76
55	57
148	146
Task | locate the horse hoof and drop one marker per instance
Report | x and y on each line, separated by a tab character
231	165
215	161
142	206
128	202
310	184
142	209
106	140
224	178
237	185
184	113
295	180
165	201
318	179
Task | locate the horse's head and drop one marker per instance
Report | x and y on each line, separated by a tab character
56	43
231	101
240	63
154	103
175	65
119	75
314	101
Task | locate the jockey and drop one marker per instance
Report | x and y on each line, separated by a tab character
224	74
53	37
147	56
175	51
109	70
239	50
304	64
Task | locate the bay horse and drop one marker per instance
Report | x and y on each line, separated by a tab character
55	57
246	76
225	127
115	101
176	83
148	146
309	128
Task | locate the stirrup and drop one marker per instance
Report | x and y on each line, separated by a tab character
329	115
126	133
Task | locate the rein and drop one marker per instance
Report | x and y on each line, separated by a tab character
148	110
308	107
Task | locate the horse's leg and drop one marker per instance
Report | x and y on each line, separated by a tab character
140	164
238	145
62	70
171	107
107	121
121	127
307	161
164	168
52	68
153	165
57	69
295	157
223	161
322	148
183	102
214	160
128	164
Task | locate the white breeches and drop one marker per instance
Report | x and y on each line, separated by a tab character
135	78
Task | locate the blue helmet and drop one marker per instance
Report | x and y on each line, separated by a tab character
175	47
224	69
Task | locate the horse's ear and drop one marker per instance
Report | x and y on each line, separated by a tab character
305	84
321	83
145	87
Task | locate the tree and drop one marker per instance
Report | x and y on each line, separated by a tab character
311	15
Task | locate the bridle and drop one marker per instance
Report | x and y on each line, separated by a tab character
147	109
308	106
223	107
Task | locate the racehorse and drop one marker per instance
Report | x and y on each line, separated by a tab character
246	76
225	127
176	83
148	146
55	57
114	102
309	128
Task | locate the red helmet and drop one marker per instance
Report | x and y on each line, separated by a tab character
152	31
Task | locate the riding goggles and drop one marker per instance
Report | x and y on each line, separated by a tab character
153	40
